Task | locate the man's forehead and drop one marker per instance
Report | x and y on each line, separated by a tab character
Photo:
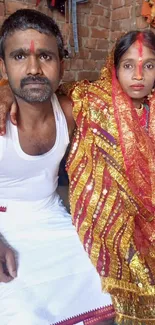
30	38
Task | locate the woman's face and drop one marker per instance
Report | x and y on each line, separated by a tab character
137	75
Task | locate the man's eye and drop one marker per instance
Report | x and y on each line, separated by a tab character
149	66
128	66
45	57
19	57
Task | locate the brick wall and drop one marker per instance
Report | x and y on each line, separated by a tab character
125	16
100	22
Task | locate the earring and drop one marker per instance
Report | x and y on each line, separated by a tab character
151	95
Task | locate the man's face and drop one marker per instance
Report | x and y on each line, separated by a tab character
137	75
32	65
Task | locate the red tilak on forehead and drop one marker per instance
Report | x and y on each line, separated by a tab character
32	47
139	42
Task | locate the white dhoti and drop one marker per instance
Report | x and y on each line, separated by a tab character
56	281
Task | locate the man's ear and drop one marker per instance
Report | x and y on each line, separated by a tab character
3	69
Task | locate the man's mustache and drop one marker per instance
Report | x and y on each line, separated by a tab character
34	79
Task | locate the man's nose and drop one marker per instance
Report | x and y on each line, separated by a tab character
33	66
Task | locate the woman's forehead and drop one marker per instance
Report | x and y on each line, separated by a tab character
134	52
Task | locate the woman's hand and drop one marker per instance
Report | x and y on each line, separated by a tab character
7	104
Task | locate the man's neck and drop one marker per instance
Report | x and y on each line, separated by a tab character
32	114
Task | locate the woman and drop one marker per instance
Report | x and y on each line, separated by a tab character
111	173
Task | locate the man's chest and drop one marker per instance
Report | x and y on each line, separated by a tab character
38	141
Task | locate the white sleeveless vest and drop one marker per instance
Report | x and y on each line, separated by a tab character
30	178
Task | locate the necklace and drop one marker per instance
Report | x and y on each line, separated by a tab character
139	110
144	120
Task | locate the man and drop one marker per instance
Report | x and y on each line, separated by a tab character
46	277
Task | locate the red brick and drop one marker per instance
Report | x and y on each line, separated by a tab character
69	76
118	3
98	54
77	64
105	3
104	22
121	13
80	41
89	64
126	25
116	25
115	35
138	10
92	20
90	43
66	29
141	23
67	64
91	76
100	64
102	44
83	31
84	8
81	19
1	20
83	53
99	33
29	1
107	13
45	10
2	9
96	1
59	16
111	46
128	2
13	6
97	10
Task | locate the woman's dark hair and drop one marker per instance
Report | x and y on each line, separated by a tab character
30	19
128	39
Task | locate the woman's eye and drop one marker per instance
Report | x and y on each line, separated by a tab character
149	66
128	66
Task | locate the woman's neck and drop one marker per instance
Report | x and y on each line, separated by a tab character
137	102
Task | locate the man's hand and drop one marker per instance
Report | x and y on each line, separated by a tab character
8	269
7	103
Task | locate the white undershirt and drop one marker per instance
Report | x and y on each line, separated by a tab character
30	178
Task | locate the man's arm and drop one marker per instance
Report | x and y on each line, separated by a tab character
7	103
8	269
67	107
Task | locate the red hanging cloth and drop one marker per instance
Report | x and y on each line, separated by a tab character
55	4
52	3
37	2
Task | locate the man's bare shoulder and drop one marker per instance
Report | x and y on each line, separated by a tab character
66	105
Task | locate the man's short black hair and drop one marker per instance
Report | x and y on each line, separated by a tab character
24	19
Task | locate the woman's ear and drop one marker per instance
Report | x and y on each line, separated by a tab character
3	69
